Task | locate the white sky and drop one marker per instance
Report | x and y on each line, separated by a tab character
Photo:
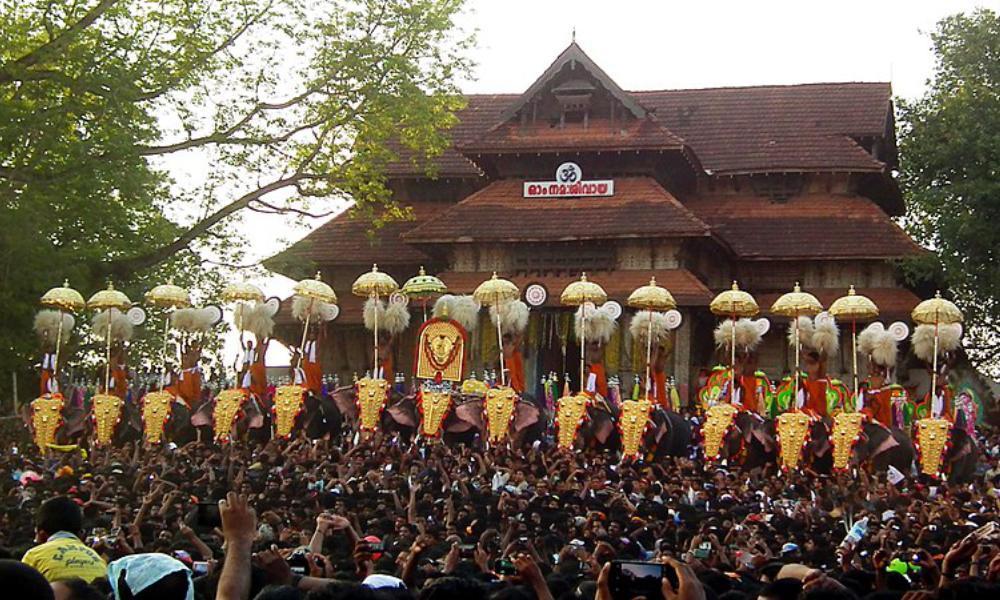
666	44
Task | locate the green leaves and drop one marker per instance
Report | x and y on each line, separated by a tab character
282	103
950	155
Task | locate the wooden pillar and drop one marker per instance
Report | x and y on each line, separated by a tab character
682	357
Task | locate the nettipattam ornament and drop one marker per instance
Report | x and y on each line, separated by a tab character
228	405
931	441
434	407
633	422
46	417
440	351
107	412
288	401
571	412
156	409
846	433
718	419
793	433
500	404
372	396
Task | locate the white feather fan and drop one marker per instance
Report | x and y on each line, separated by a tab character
374	312
949	339
805	332
121	327
257	319
600	325
191	320
826	336
513	316
879	344
47	326
396	318
317	309
639	328
463	309
748	335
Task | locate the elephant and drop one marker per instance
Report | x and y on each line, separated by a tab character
962	456
177	429
880	447
668	435
750	441
251	417
465	419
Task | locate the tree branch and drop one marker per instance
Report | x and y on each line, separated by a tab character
57	43
271	209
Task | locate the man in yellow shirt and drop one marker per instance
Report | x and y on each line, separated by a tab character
60	553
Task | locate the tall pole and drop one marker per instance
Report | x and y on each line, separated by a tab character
583	345
55	357
795	329
163	353
854	357
732	360
503	370
305	331
649	352
935	371
376	367
107	365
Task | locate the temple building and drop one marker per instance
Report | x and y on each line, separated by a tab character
766	185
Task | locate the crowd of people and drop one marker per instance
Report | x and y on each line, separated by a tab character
373	518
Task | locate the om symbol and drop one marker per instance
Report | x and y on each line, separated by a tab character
569	173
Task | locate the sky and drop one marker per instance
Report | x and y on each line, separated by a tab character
666	44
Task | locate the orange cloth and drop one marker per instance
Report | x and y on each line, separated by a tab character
258	379
748	391
187	387
119	382
314	376
880	406
515	366
387	368
597	369
660	388
816	396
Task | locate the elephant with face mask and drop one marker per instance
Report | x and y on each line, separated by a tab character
749	441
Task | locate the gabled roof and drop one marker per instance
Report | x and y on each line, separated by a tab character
640	208
573	55
814	226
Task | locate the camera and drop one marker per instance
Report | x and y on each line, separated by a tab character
629	579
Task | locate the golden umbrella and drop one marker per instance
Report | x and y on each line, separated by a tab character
579	293
423	287
63	299
372	285
493	292
313	289
168	297
733	303
794	304
936	311
241	292
855	307
651	297
108	299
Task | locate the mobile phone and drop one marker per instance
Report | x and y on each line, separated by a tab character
629	579
374	548
199	567
208	516
505	566
988	531
467	550
298	562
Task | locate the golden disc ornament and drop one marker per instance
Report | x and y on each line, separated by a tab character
315	289
156	409
64	298
288	402
853	307
107	413
571	412
495	291
845	434
423	286
938	311
46	417
718	419
793	433
652	297
374	283
242	292
372	396
797	303
168	295
632	424
499	409
109	298
583	291
734	302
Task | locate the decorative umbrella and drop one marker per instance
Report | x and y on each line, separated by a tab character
168	297
423	287
579	293
794	304
936	311
734	303
63	299
493	292
312	289
653	298
855	307
372	285
107	300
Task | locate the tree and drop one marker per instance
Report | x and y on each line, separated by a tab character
950	160
287	103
